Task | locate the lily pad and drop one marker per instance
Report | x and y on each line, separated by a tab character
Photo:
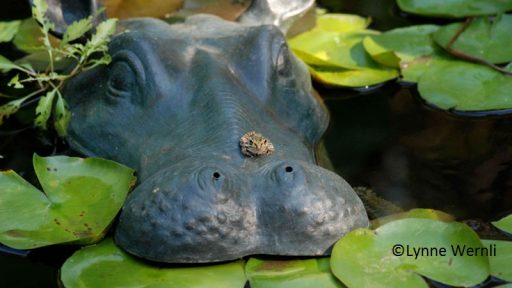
351	78
455	8
341	22
367	258
465	86
81	198
291	273
483	38
342	50
401	44
500	262
504	224
105	265
414	213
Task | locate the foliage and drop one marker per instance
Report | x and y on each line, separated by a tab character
8	30
465	86
461	56
81	198
290	273
362	258
504	224
49	81
499	265
485	38
106	265
335	53
456	9
366	258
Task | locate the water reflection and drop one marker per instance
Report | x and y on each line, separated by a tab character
416	156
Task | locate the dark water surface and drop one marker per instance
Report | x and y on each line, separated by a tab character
387	139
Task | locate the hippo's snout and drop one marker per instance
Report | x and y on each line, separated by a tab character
200	210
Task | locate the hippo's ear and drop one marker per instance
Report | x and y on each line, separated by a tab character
64	12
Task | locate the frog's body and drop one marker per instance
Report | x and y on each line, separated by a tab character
174	104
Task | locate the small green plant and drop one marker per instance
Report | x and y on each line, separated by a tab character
48	83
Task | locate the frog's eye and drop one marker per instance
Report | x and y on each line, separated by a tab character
126	76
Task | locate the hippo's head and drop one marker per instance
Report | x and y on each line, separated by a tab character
174	103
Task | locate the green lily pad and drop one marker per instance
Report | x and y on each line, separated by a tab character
483	38
401	44
341	22
504	224
351	78
367	258
291	273
81	198
455	8
412	71
465	86
341	50
414	213
105	265
499	263
8	30
509	285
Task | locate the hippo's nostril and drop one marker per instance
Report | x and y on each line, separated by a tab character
216	175
288	169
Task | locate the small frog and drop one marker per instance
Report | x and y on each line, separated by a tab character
254	144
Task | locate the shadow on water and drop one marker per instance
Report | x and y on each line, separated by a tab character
416	156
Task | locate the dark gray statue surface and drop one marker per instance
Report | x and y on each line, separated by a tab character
174	104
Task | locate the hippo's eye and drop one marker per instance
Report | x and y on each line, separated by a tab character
126	74
122	80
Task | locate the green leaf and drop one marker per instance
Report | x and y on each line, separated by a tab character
465	86
364	258
483	38
15	82
342	50
504	224
351	78
105	265
290	273
77	29
30	38
10	108
103	32
39	8
62	116
341	22
455	8
8	30
44	109
401	44
81	198
500	261
414	213
6	65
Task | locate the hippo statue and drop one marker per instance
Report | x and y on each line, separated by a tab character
178	103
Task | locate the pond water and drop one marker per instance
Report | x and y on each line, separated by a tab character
384	138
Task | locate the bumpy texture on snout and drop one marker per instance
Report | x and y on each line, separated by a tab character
173	104
282	208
